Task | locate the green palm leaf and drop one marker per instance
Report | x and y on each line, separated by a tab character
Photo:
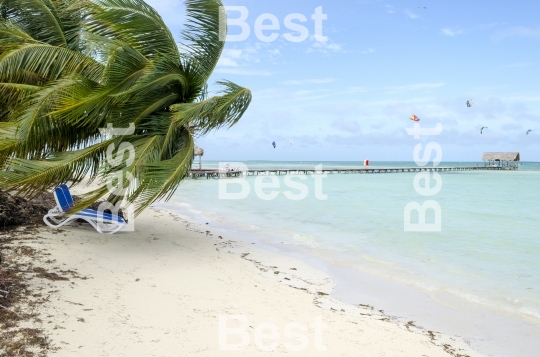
34	176
48	29
214	112
133	22
202	33
161	179
88	64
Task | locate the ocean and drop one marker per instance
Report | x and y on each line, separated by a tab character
485	259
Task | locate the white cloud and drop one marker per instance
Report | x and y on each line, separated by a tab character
327	47
451	32
246	55
411	15
324	47
369	50
227	62
244	61
415	87
519	31
233	53
243	71
454	31
355	90
309	81
230	58
349	126
390	9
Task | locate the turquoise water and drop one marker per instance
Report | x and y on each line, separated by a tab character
488	251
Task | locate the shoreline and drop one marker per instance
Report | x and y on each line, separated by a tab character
163	287
488	330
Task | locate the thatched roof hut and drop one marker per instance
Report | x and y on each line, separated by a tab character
501	156
198	152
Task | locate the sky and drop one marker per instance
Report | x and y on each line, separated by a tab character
350	98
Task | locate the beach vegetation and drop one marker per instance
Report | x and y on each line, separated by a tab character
70	68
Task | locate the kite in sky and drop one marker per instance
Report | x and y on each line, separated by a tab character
528	131
274	144
469	103
414	118
481	130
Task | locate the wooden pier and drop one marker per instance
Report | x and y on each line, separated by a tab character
215	173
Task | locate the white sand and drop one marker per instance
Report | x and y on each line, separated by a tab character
160	291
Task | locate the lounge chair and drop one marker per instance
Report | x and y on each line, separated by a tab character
59	215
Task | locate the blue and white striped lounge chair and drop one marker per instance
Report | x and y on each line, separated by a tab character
59	215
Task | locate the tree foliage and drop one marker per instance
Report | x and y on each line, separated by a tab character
69	68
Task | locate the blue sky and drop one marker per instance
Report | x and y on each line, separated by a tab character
350	98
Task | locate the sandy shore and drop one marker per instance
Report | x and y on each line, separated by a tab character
162	290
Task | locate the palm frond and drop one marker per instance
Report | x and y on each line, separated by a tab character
30	176
38	130
214	112
202	33
160	179
11	34
38	18
47	61
8	141
133	22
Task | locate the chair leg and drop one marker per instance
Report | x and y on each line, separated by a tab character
118	228
94	224
59	223
46	220
111	228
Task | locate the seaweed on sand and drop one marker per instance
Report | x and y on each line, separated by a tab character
19	218
16	338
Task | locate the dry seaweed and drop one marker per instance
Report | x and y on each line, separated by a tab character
16	211
16	339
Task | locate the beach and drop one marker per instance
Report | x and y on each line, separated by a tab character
278	178
477	277
161	290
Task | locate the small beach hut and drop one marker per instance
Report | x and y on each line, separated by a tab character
500	158
199	152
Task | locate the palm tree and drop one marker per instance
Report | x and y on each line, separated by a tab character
71	67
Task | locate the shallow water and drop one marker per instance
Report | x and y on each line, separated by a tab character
486	254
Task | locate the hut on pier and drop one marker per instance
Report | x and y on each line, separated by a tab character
500	158
199	152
